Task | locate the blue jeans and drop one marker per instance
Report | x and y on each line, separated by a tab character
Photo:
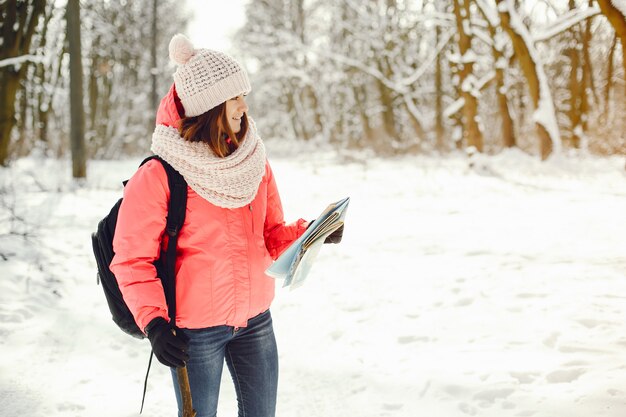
252	359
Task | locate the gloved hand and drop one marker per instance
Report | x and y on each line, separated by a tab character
169	348
335	237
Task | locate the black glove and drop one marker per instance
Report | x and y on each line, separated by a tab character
335	237
169	348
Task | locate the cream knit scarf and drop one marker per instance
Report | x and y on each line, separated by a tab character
228	182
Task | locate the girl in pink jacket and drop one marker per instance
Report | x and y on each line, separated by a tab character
233	229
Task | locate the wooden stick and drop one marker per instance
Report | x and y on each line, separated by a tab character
185	392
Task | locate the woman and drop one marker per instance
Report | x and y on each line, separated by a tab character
233	229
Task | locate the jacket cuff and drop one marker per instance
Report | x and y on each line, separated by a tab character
154	322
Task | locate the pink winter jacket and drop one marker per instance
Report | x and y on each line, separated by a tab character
222	253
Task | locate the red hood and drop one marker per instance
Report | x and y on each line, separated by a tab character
171	109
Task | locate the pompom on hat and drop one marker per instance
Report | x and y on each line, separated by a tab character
204	78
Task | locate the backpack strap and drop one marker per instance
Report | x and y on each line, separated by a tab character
176	210
175	220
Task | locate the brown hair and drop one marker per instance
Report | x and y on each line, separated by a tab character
213	128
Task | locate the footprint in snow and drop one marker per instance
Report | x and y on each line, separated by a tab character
15	317
464	302
467	409
358	390
525	377
336	334
70	407
403	340
564	375
550	341
531	295
578	349
508	405
590	323
454	390
392	407
576	364
491	395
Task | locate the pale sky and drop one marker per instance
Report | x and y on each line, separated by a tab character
214	21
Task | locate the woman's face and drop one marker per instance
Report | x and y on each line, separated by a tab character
235	108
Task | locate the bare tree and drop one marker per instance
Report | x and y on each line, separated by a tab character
575	84
589	87
500	63
77	112
18	24
617	19
439	127
610	69
525	52
471	130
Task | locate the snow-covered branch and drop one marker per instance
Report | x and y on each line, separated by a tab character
564	22
476	86
350	62
544	114
454	107
489	12
401	85
620	5
428	62
410	105
19	60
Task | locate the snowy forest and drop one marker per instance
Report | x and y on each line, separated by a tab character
391	76
482	144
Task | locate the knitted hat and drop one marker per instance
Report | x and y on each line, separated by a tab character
205	78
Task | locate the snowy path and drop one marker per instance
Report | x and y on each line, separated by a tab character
454	293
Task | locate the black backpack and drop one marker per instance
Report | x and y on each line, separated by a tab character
102	241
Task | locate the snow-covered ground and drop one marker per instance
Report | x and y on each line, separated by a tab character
493	291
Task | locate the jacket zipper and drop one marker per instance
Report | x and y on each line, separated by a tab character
251	218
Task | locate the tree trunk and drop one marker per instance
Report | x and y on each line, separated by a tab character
574	85
360	94
9	84
105	104
40	114
587	65
609	80
439	128
154	98
536	84
92	84
508	127
618	21
313	104
77	114
22	99
415	123
18	28
471	131
588	89
508	130
292	111
386	102
387	96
